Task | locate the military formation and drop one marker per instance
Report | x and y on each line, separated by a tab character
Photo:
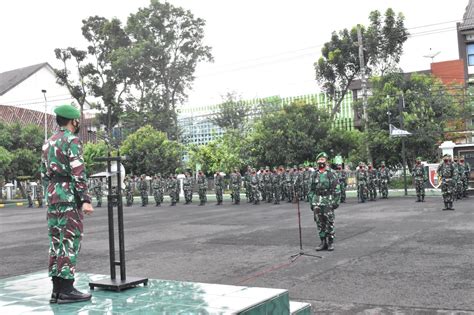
369	180
453	174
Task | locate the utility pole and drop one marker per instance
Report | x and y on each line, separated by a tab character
364	89
401	106
45	116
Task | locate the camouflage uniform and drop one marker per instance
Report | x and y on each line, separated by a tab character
298	183
447	173
323	201
267	184
420	177
128	191
467	173
384	180
63	171
361	177
143	187
342	182
236	182
39	194
29	194
276	186
188	188
202	186
372	183
157	186
248	189
98	192
173	186
219	187
460	180
289	188
255	183
306	180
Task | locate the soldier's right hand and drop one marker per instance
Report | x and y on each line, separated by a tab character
87	208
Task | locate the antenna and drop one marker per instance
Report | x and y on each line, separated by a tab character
432	55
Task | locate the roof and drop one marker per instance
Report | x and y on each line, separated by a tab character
468	18
10	79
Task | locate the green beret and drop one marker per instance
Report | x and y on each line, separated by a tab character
322	154
67	111
418	158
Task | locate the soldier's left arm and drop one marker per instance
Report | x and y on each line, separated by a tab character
78	171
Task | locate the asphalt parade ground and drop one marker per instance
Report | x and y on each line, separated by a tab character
393	255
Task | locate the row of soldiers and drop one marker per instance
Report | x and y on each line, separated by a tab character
454	177
369	179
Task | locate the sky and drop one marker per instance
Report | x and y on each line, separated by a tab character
261	47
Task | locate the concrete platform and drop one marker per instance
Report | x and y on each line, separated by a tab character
29	294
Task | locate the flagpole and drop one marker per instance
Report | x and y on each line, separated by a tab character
404	158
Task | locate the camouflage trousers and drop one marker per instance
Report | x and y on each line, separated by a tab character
98	196
188	195
447	189
65	234
255	194
144	196
236	193
342	187
202	195
219	195
420	187
269	192
372	190
158	196
129	197
174	196
384	188
39	199
323	215
290	192
276	195
30	200
465	186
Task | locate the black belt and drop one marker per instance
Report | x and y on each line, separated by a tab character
61	179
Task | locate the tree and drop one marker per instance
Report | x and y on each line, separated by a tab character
293	134
148	151
232	113
339	64
5	160
429	107
91	152
166	46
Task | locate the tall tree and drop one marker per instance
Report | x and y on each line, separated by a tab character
339	64
232	113
167	43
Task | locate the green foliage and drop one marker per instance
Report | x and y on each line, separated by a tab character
339	64
149	151
5	160
348	144
232	114
291	135
25	162
428	109
92	151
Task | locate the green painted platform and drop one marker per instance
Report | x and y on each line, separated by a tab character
29	294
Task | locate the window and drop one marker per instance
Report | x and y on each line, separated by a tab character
470	54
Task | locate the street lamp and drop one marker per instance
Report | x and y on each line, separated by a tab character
45	116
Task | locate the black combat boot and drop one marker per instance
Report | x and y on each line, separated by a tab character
450	206
446	206
323	245
418	199
422	198
330	244
69	294
56	289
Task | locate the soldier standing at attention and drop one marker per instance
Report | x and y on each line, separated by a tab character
98	192
63	173
143	187
39	193
188	188
384	177
128	190
276	185
202	186
255	185
342	178
219	187
372	183
467	174
419	175
29	194
236	182
361	177
157	187
324	200
447	173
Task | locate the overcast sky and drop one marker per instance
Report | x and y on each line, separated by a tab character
261	47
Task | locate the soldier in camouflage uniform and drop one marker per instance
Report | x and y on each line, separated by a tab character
63	173
236	182
128	191
447	174
466	169
342	182
255	186
202	186
157	186
172	189
29	194
248	188
39	193
460	179
384	180
276	185
98	192
188	188
267	184
289	185
372	182
306	179
323	200
143	187
420	177
361	178
219	187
